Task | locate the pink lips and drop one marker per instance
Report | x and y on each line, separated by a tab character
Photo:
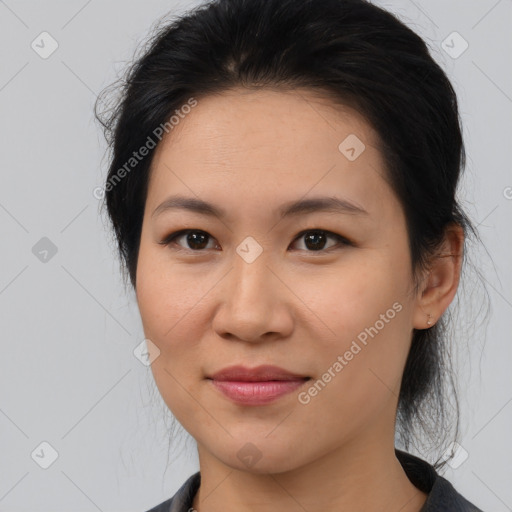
256	386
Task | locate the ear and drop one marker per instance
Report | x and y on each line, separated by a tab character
441	280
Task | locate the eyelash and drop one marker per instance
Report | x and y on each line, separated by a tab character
167	241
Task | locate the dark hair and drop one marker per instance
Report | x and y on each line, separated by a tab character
355	54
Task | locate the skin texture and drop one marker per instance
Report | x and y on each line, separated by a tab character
250	152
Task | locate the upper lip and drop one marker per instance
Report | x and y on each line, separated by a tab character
257	374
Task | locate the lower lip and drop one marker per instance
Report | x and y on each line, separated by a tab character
257	393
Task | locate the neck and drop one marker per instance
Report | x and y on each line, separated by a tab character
363	476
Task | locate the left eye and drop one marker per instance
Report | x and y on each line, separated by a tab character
315	239
197	240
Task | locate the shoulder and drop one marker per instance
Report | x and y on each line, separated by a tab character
442	496
445	497
182	500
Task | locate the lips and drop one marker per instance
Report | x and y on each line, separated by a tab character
257	374
256	386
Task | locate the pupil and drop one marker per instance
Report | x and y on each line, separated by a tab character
314	237
194	239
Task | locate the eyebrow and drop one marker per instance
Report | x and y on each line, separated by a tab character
300	207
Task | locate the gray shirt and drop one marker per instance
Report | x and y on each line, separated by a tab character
442	496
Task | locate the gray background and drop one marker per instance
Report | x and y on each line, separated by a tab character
68	373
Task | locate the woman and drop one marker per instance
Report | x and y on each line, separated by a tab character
282	189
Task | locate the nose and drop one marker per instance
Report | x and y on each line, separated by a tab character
254	304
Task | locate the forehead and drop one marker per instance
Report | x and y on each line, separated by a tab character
267	143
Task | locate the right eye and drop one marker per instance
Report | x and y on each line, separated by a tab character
194	238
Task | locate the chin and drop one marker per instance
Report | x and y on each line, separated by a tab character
260	456
262	467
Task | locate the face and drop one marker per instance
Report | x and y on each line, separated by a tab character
324	293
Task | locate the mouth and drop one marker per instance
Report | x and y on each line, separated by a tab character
257	386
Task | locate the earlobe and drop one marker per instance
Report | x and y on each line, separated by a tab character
441	281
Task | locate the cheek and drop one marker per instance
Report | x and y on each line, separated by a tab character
356	296
168	306
163	294
363	315
168	303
